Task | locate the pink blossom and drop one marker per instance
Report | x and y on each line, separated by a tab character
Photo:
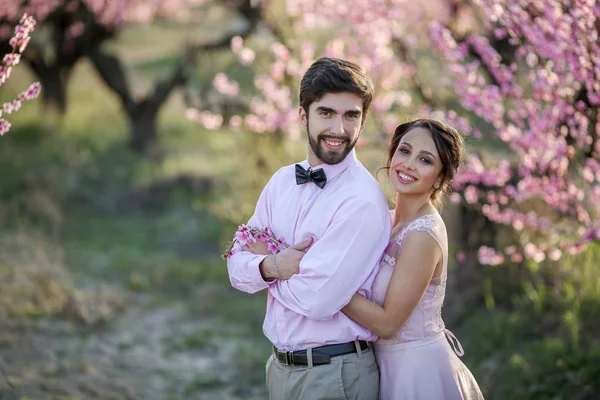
516	258
471	195
16	104
4	126
33	91
510	250
555	255
246	56
8	107
236	122
206	118
487	256
11	59
455	198
237	44
4	74
262	238
281	52
244	237
272	247
224	85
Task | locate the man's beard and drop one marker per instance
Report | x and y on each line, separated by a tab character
328	156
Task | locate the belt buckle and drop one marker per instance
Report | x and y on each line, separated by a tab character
285	357
281	356
289	357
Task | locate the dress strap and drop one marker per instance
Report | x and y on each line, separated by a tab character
454	343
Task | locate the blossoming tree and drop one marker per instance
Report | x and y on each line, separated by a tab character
539	94
78	28
523	73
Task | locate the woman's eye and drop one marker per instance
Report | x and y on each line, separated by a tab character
426	160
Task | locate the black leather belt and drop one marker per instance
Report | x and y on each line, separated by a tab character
321	355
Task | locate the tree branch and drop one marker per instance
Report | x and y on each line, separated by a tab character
179	77
111	71
423	91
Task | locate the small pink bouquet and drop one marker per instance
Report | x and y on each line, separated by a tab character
247	234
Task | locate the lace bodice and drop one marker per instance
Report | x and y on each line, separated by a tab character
426	318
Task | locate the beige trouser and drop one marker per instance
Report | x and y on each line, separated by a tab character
350	376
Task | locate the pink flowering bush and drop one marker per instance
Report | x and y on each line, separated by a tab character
18	43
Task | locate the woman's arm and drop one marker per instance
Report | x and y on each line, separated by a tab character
414	269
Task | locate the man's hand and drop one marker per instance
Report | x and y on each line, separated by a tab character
257	248
288	262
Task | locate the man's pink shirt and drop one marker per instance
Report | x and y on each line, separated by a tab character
350	222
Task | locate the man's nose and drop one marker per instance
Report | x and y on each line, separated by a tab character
337	125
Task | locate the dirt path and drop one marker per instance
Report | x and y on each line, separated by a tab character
148	352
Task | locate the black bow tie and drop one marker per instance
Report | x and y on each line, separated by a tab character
317	176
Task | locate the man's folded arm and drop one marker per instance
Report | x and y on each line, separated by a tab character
337	265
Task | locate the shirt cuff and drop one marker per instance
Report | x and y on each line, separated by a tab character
254	265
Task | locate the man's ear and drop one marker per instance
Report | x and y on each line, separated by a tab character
302	114
362	125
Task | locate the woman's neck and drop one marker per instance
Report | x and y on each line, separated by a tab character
408	209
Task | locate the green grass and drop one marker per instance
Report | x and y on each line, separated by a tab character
202	383
540	342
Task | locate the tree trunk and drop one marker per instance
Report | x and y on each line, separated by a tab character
143	133
475	230
54	82
54	79
468	229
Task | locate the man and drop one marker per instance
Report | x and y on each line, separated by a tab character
333	202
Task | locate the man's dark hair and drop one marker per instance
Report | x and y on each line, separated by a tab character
332	75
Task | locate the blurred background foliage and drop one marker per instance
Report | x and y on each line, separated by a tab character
111	282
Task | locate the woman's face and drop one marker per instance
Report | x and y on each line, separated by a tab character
416	164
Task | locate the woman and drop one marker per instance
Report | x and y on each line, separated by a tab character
415	359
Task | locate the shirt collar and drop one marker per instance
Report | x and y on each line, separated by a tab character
331	171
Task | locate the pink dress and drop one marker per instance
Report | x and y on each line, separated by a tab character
419	363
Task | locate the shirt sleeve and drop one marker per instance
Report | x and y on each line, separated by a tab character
243	266
338	264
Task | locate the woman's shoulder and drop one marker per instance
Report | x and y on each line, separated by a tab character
430	223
